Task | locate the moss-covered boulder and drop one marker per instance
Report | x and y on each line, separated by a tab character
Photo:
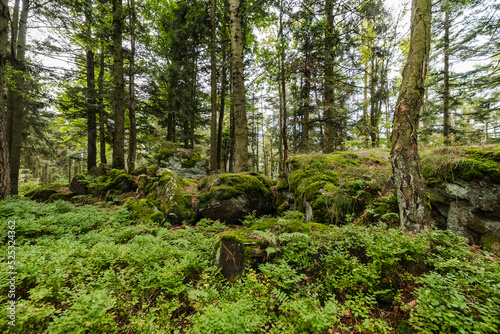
184	162
231	197
334	188
43	193
139	171
174	194
118	179
79	184
61	197
464	188
145	210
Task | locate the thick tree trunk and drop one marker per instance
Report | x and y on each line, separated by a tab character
119	94
102	112
213	83
91	95
15	101
239	101
329	132
132	142
410	184
4	145
446	76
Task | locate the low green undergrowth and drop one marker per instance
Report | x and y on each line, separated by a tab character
91	269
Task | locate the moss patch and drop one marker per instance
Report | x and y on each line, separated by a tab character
464	163
43	193
491	242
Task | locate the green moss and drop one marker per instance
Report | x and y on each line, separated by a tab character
60	196
152	170
139	171
491	242
338	185
144	210
182	207
448	164
227	186
43	193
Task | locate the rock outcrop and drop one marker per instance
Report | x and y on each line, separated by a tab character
184	162
333	188
231	197
464	189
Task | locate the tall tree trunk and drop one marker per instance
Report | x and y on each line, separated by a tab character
15	101
329	132
119	93
222	106
410	184
374	99
306	92
91	94
213	83
239	101
4	145
132	142
102	112
446	76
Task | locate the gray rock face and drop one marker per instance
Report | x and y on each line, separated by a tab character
470	209
177	164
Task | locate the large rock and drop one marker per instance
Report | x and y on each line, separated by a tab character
231	197
184	162
333	188
464	188
174	195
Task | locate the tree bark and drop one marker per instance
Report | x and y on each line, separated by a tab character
213	83
221	112
410	185
329	131
91	94
4	145
132	142
239	101
446	75
102	112
119	94
15	101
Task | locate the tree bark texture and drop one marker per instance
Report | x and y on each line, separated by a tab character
213	84
239	101
4	146
446	76
132	142
15	100
102	112
91	94
221	112
410	185
119	93
329	132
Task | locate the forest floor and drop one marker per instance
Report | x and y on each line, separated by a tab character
94	269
